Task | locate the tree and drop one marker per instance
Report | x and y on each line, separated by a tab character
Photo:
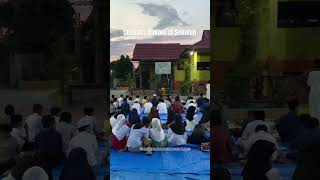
35	24
122	68
237	84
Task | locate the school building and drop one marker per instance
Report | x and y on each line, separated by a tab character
288	36
188	62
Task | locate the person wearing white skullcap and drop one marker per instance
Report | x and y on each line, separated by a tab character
157	134
35	173
87	141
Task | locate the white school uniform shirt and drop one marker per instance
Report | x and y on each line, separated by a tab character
189	101
67	131
130	103
20	135
314	96
162	108
34	124
147	107
261	135
190	104
57	119
120	101
175	139
191	124
168	103
116	104
273	174
137	107
251	129
89	143
137	100
136	135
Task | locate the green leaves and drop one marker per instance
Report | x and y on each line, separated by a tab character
184	89
122	68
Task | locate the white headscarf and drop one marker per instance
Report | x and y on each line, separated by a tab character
120	121
113	121
35	173
156	131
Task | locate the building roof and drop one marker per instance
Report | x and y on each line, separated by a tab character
168	51
204	43
158	52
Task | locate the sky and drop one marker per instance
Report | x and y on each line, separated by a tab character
83	10
157	15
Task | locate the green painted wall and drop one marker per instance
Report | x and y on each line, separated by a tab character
196	75
203	75
179	74
281	43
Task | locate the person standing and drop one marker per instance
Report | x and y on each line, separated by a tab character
314	95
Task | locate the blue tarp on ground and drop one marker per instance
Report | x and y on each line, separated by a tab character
286	170
193	164
164	117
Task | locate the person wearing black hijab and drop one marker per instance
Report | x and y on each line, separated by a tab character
77	166
170	118
259	164
176	132
134	117
177	126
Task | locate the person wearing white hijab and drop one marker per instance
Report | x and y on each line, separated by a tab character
113	121
157	134
35	173
120	131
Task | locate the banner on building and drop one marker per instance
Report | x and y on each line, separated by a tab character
163	67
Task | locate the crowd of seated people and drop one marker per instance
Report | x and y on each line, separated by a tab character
258	145
41	142
132	131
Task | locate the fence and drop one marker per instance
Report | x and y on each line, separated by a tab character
280	88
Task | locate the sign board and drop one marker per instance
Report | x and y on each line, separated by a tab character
163	67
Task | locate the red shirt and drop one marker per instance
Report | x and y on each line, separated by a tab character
116	144
177	107
222	148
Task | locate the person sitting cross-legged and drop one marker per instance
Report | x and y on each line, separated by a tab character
259	164
139	136
176	132
120	131
157	134
66	129
49	143
77	167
